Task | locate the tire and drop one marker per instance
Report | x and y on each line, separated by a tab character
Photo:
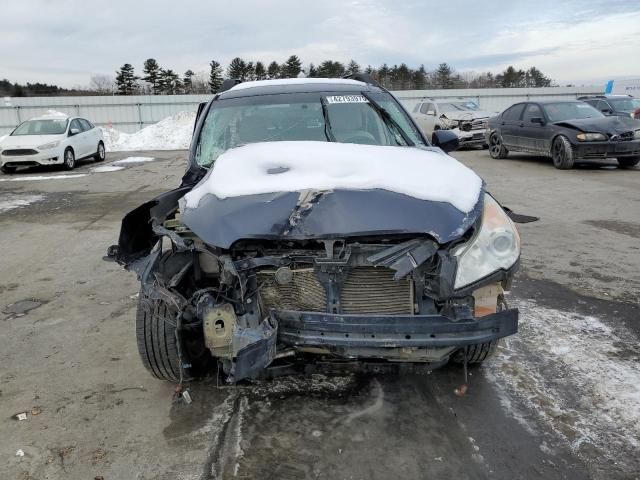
101	153
69	159
562	153
155	335
496	149
477	353
8	170
628	162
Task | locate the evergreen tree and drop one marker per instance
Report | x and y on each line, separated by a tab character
237	69
511	78
331	69
126	80
187	81
443	76
260	71
273	71
215	76
249	72
292	67
151	72
352	68
313	71
169	82
384	74
419	79
537	79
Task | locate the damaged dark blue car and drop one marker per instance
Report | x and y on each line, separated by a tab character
316	225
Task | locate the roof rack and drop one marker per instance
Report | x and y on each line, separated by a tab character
362	77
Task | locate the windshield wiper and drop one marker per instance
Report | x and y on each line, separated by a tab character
389	120
327	125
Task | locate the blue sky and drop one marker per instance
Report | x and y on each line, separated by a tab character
67	41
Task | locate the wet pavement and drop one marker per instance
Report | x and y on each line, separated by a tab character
561	400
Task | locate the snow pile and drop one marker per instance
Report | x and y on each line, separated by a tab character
11	201
296	166
106	169
128	160
42	177
576	374
171	133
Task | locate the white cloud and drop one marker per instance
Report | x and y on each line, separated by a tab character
65	42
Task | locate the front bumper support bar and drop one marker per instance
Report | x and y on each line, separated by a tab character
390	331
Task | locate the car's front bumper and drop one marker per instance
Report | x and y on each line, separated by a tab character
388	332
472	138
43	157
602	150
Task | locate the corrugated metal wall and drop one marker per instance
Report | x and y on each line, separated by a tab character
130	114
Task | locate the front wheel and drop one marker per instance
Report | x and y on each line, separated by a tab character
628	162
101	153
562	153
496	149
6	169
477	353
69	159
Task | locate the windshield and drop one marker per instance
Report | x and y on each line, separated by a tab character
624	104
457	106
42	127
355	118
570	111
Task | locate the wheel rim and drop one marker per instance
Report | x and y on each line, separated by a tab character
494	145
558	152
69	160
101	151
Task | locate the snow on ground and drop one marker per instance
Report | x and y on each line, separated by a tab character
27	178
171	133
11	201
577	375
106	169
129	160
296	166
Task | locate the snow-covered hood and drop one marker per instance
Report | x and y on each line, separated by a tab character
324	189
470	115
28	141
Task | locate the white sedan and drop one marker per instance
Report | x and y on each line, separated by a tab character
54	139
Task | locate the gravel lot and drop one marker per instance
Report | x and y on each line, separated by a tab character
561	400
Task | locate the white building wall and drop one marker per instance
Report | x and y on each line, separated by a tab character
131	113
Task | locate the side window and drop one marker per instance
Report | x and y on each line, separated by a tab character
75	123
86	124
428	109
423	108
532	111
514	113
603	106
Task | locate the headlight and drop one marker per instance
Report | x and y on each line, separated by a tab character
449	123
636	135
591	137
47	146
495	246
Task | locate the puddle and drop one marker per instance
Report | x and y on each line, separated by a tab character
22	307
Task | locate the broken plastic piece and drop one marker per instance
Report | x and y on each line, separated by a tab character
20	453
21	416
186	396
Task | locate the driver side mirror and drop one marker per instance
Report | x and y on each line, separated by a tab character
538	120
446	140
607	111
74	131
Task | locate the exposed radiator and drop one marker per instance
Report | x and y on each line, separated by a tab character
366	290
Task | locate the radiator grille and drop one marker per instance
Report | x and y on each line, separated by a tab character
304	292
16	152
366	290
371	290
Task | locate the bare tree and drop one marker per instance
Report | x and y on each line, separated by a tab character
102	84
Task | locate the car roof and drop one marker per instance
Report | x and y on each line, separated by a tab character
552	100
51	115
296	85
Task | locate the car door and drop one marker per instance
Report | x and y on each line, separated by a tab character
92	135
77	138
509	125
426	117
533	134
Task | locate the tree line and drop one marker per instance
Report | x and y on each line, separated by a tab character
157	80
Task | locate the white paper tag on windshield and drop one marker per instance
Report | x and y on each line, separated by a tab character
347	99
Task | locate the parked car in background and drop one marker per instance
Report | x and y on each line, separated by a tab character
52	139
461	116
620	105
316	223
566	131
